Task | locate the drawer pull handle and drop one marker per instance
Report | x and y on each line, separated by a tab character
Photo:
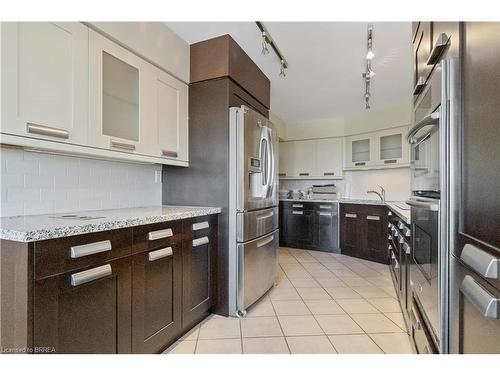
297	212
123	145
297	205
157	234
480	261
46	130
391	161
353	216
282	174
325	214
90	248
485	303
91	275
304	174
325	207
158	254
329	174
265	241
370	217
202	225
200	241
172	154
265	216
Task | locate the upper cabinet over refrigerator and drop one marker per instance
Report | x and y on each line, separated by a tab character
44	75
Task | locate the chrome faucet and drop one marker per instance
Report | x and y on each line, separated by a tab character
381	195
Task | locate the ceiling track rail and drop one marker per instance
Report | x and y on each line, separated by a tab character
269	40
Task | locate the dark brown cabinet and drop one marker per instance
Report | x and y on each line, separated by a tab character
309	225
363	231
156	298
132	290
298	226
73	315
198	269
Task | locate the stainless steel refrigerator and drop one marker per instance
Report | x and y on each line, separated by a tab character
253	208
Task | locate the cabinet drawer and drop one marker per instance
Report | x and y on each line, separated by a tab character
155	236
297	205
199	226
71	253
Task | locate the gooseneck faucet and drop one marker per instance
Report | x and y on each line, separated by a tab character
381	195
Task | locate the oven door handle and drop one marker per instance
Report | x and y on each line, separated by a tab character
431	206
432	119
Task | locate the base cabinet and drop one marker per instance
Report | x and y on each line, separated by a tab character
132	290
156	298
74	316
198	270
363	231
309	225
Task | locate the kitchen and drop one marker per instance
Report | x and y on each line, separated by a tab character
240	188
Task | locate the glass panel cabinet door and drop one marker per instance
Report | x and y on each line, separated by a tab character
358	151
392	147
116	94
45	81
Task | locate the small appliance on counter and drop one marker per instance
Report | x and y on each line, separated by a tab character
324	192
285	194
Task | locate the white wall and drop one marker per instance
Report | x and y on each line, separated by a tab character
35	183
355	184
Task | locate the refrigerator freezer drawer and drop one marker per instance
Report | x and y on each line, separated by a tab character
255	224
257	268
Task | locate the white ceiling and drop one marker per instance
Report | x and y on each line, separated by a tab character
325	60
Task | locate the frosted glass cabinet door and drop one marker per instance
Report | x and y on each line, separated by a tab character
44	75
169	111
116	94
359	151
392	149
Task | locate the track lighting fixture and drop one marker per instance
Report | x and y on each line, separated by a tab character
282	69
265	49
368	74
267	41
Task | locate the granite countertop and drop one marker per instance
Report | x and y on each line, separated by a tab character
44	227
400	208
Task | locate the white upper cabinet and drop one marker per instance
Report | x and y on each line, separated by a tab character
376	150
329	158
359	151
285	148
392	148
303	158
167	116
117	91
311	159
44	76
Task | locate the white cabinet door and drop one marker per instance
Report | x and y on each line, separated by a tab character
44	80
117	92
391	147
329	158
166	110
359	151
303	158
284	158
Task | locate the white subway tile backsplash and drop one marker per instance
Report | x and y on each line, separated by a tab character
39	183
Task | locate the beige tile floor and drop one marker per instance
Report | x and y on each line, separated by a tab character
323	304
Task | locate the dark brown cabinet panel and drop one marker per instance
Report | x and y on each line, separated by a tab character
363	232
198	276
325	230
351	228
298	226
91	317
156	299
